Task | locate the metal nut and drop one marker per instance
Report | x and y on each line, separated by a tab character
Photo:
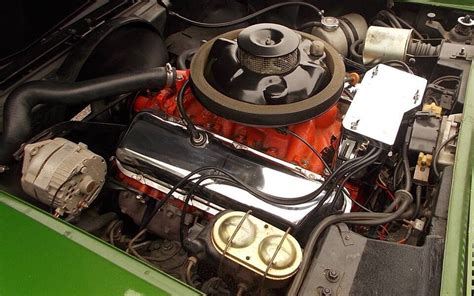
332	275
325	292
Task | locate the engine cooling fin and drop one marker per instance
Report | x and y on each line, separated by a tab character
267	75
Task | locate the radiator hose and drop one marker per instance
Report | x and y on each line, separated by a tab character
17	123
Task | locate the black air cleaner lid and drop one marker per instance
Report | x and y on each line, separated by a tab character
268	40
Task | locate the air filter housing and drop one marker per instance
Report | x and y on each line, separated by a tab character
268	49
267	75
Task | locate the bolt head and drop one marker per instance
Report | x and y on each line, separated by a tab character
325	292
332	276
34	151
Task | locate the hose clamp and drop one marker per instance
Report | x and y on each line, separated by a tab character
170	75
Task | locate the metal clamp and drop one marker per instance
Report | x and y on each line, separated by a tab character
229	242
170	75
280	244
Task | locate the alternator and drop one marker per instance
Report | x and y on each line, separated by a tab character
62	174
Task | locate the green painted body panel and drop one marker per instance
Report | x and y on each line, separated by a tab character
456	4
458	256
41	255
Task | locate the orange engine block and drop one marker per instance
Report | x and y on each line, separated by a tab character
322	132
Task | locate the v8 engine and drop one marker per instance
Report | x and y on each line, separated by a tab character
289	151
290	77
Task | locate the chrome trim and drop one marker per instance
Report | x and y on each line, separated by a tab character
179	194
238	146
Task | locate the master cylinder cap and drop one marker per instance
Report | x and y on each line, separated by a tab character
256	245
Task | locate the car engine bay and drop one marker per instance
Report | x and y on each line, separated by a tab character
253	147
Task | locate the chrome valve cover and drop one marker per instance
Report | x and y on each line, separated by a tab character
157	153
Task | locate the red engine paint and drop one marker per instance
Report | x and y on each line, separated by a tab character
153	193
321	132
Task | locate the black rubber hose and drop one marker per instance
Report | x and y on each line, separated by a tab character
406	163
370	160
380	23
17	124
363	162
438	151
417	202
393	205
197	138
406	24
391	18
188	197
311	147
245	18
355	55
401	64
342	170
308	25
350	218
182	112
